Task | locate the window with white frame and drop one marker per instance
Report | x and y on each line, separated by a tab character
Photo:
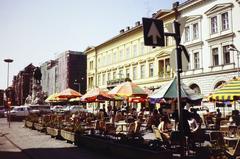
196	60
109	59
142	71
121	55
127	73
91	65
108	76
195	31
127	55
103	79
99	80
151	69
134	50
215	59
142	48
99	61
225	21
226	54
114	75
120	74
115	57
134	72
214	28
187	34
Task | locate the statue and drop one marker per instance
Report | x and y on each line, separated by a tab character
28	100
37	75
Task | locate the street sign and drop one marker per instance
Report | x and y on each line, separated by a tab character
183	61
153	32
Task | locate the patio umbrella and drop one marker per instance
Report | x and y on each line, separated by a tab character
77	99
69	93
169	91
128	89
54	98
229	91
95	95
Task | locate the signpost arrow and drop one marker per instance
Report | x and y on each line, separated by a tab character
154	33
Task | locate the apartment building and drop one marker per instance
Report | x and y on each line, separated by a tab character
125	56
211	27
68	70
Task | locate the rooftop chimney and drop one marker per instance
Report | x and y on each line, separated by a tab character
121	31
137	23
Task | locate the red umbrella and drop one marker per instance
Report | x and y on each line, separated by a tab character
69	93
137	100
96	95
128	89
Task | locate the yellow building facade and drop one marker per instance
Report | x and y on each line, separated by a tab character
126	56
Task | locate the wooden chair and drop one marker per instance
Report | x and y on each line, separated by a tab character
157	133
217	140
234	152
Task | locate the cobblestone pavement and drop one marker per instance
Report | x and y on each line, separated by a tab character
22	143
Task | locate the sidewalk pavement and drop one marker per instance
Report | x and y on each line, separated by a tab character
8	150
18	142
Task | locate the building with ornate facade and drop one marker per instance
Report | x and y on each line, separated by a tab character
68	70
22	85
125	56
211	28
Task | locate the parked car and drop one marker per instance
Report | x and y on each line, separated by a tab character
19	112
40	108
56	108
73	108
2	110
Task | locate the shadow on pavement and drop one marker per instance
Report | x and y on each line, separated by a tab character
55	153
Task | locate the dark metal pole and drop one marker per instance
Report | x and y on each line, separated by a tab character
178	71
8	111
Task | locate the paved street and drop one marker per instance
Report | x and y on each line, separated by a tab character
23	143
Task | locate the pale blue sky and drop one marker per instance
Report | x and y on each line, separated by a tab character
34	31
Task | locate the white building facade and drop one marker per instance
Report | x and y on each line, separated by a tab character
212	27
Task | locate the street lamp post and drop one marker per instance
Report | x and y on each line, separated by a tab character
76	82
233	48
8	113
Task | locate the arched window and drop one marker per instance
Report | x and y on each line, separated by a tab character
196	88
219	83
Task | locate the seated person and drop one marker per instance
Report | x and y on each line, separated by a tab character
194	126
165	127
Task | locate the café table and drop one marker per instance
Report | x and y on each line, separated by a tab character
231	140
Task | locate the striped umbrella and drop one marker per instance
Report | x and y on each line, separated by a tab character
54	98
228	91
128	89
169	91
69	93
96	94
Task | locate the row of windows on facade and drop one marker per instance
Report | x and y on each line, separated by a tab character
191	32
142	72
215	58
130	52
196	65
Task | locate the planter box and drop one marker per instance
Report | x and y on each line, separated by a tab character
68	135
53	132
39	127
29	124
118	149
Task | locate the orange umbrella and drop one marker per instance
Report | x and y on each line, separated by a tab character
128	89
96	94
69	93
